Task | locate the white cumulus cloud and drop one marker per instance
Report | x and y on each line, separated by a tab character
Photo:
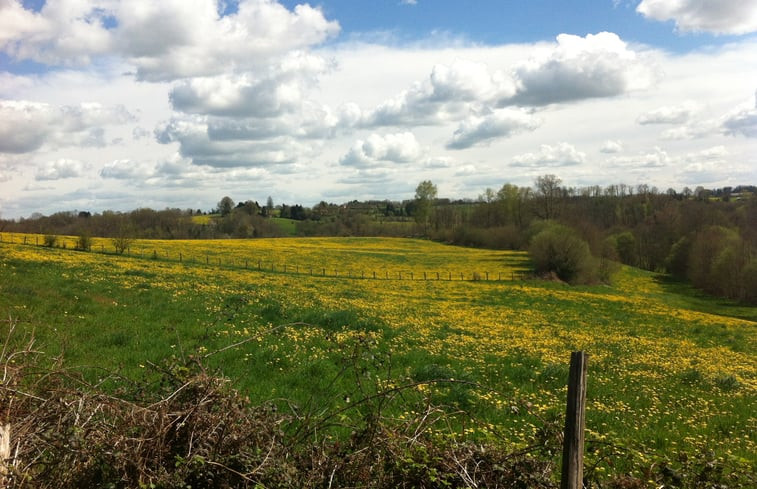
197	145
560	154
675	114
742	122
28	126
446	95
716	16
611	146
378	150
500	123
598	65
59	169
65	32
163	40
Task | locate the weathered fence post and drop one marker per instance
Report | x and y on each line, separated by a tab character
5	451
573	442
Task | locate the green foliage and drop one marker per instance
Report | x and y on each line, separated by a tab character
50	240
625	246
557	250
425	195
225	206
720	263
677	262
84	243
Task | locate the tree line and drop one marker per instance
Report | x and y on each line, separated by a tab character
705	236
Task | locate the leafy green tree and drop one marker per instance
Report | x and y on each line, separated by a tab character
425	195
558	250
225	206
677	262
625	247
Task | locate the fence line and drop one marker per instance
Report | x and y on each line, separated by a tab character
146	253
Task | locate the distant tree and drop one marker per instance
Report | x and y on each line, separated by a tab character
511	199
548	192
225	206
249	207
425	194
123	238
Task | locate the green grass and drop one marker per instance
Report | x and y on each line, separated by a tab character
671	370
287	226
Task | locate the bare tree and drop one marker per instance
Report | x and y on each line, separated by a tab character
549	192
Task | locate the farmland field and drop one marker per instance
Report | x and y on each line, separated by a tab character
670	372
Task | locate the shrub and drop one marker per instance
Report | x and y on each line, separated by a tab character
51	240
121	244
84	243
556	249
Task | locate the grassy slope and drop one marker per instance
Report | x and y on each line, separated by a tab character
669	371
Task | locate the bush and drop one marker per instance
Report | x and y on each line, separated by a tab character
51	240
557	250
84	243
121	244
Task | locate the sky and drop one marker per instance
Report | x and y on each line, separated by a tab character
124	104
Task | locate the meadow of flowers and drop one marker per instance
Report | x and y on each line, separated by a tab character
671	374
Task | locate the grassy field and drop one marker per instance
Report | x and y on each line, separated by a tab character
671	372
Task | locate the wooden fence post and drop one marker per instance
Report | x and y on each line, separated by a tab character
573	442
5	451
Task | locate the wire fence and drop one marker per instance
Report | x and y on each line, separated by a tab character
220	260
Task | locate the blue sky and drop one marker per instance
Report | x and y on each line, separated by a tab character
499	21
119	104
